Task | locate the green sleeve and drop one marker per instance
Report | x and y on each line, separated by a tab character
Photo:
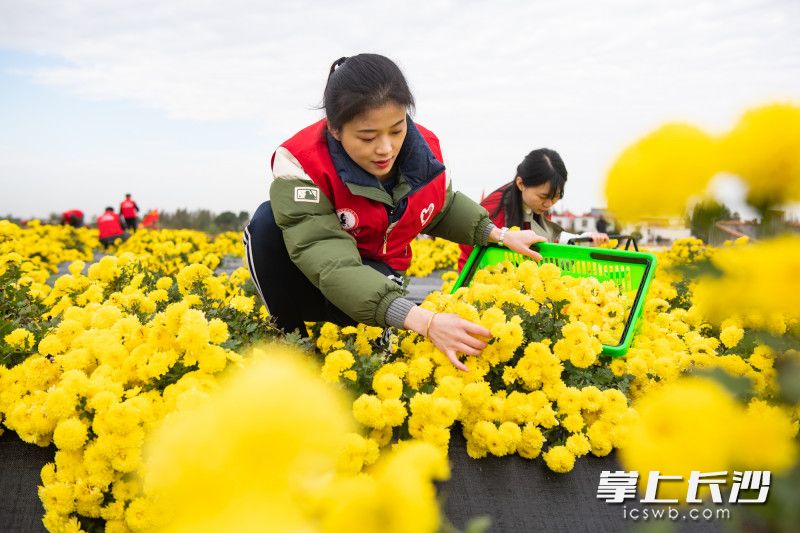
461	220
328	255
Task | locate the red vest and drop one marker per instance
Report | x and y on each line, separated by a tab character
128	208
67	215
108	225
365	219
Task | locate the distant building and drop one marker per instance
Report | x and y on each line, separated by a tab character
653	230
726	230
664	230
580	223
565	220
659	230
585	222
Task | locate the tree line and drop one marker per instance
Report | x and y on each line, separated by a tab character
203	220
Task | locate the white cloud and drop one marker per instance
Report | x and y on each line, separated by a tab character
494	80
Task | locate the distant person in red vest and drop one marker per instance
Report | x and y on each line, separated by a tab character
110	228
73	217
150	220
128	210
525	201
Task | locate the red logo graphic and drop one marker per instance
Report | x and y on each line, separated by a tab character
347	218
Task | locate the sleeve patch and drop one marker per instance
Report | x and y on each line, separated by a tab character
306	194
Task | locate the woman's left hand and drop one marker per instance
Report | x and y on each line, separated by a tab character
519	241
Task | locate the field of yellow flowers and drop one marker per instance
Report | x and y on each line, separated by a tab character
142	365
175	405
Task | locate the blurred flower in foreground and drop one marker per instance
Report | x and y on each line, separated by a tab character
764	150
770	270
695	424
658	174
262	454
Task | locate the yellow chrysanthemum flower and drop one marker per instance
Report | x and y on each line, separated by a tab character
559	459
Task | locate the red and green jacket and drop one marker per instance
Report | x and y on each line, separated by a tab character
333	213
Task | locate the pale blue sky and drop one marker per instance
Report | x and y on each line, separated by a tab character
182	103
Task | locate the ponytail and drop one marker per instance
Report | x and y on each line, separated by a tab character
511	204
336	64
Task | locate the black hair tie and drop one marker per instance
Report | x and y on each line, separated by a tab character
336	64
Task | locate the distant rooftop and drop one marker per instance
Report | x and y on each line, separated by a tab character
738	228
594	212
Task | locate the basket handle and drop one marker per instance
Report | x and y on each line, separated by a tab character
618	236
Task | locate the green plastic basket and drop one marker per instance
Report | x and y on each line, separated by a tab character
630	271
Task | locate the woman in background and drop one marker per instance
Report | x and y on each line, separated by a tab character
526	200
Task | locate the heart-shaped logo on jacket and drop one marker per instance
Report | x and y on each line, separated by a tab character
425	214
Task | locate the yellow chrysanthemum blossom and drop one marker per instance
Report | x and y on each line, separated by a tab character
676	154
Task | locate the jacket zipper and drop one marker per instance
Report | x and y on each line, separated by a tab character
386	235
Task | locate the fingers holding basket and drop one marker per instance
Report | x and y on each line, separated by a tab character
521	242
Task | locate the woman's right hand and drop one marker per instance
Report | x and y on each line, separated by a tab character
450	333
598	238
